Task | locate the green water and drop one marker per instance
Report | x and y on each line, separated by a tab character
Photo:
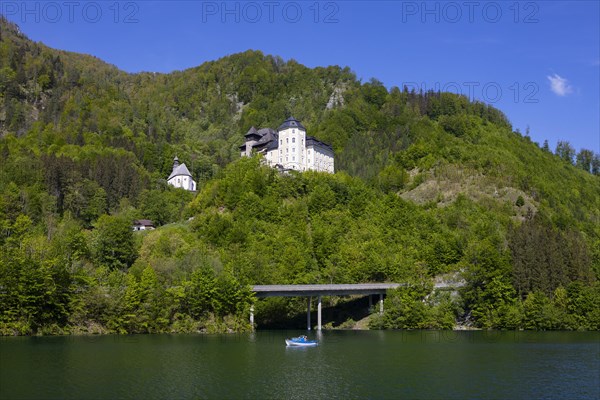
378	365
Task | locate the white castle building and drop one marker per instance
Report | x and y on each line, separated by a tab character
181	177
289	148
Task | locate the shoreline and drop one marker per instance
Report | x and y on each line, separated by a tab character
233	333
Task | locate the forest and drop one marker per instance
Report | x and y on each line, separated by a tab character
427	185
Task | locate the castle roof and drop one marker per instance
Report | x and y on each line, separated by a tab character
267	134
291	122
268	137
252	132
312	141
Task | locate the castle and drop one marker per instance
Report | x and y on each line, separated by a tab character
289	148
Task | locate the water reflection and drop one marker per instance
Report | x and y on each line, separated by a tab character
346	364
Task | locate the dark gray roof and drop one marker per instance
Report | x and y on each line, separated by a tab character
273	144
268	141
266	131
291	122
143	222
312	141
252	132
267	134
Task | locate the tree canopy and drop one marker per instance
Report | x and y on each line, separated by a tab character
427	184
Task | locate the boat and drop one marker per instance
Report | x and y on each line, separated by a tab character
301	341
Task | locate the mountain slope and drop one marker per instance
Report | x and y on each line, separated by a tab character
427	183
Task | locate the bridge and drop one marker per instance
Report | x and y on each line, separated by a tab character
318	291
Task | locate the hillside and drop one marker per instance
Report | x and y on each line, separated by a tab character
426	184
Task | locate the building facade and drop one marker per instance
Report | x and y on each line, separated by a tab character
181	177
289	148
143	225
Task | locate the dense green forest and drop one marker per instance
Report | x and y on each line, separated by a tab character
426	185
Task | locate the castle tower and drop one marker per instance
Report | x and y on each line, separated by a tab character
292	144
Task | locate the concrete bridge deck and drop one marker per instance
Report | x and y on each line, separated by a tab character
322	290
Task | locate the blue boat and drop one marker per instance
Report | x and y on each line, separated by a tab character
301	341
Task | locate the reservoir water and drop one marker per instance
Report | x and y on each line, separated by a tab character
346	365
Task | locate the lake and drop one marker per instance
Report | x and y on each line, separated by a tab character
346	365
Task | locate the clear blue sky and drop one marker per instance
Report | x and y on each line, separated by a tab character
538	61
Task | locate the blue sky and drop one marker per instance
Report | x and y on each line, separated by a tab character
538	61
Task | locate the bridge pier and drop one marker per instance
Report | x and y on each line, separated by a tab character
252	316
380	304
308	314
319	314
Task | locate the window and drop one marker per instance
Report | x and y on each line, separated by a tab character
287	140
309	152
286	158
293	131
293	149
293	140
293	158
287	149
280	141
